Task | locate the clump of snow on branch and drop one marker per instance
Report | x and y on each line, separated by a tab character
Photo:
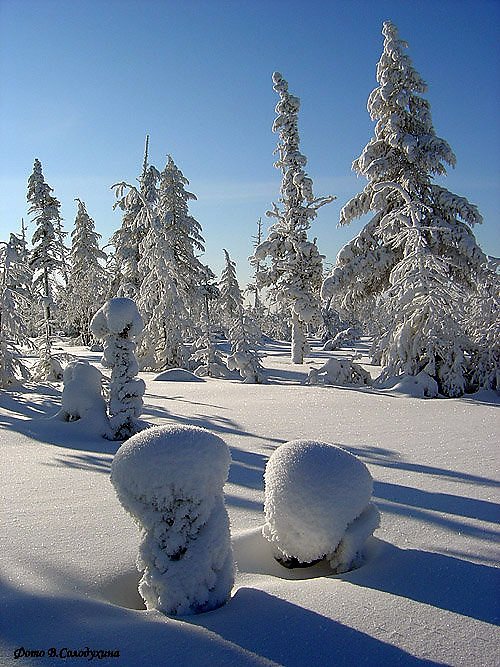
343	372
317	504
170	479
117	324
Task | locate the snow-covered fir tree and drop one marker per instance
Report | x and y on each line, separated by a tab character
206	359
244	357
405	150
127	240
185	238
15	299
87	281
293	273
422	306
162	342
482	324
253	287
46	262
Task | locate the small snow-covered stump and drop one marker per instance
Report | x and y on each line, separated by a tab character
317	505
170	479
82	394
117	324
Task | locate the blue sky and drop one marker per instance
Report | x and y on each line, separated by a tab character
83	81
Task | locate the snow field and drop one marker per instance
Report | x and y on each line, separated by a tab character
422	596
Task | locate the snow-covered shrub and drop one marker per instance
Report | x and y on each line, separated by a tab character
421	385
341	372
207	360
170	479
317	505
344	337
82	394
117	324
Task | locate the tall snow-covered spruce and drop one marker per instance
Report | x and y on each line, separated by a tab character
294	272
171	294
87	275
405	150
46	261
244	357
415	223
127	240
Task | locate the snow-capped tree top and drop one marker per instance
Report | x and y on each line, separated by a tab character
40	195
230	293
118	316
405	148
85	241
186	459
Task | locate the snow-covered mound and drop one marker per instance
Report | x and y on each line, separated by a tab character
317	503
82	394
177	375
170	479
421	385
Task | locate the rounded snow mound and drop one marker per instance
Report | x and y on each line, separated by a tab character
314	493
177	375
170	462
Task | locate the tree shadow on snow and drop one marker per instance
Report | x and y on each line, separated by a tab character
41	620
472	508
392	459
439	580
294	636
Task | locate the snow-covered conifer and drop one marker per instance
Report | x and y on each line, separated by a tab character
294	273
87	277
127	240
422	304
15	299
184	235
482	324
243	357
317	505
117	324
170	480
205	357
46	260
406	151
162	341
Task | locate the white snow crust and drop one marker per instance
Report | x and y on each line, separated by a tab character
314	491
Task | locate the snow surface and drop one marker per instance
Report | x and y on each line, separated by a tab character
313	492
177	375
425	594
